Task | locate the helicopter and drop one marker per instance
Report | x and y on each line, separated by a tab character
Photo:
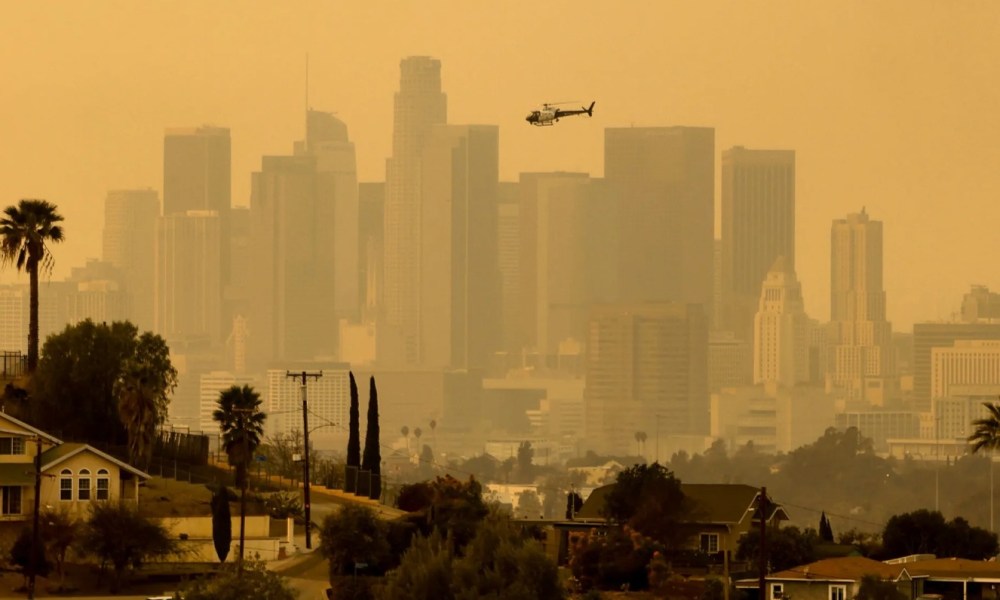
550	115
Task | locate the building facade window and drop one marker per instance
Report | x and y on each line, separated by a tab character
709	543
777	591
66	485
11	446
83	485
103	485
10	503
838	592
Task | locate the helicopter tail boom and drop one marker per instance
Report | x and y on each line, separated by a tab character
590	109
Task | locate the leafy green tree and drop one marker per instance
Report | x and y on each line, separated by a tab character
873	588
118	535
255	581
649	499
353	439
787	547
926	532
528	505
351	536
25	232
21	556
424	573
143	387
525	470
75	385
372	459
59	530
282	505
867	543
222	522
502	561
242	424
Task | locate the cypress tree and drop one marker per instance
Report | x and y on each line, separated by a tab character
825	530
372	460
354	437
222	523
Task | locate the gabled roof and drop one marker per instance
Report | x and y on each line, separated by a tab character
713	503
21	424
846	568
62	452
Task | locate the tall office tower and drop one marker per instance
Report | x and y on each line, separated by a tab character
861	356
926	337
197	176
646	367
781	329
459	288
239	292
188	297
967	362
130	245
94	292
555	293
508	260
329	399
664	179
980	304
14	307
293	315
327	140
419	105
371	247
717	322
730	361
758	226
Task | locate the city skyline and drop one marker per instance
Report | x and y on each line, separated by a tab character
878	111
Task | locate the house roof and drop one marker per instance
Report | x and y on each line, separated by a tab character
21	424
17	473
62	452
845	568
951	568
713	502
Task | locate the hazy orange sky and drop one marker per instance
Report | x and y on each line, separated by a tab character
889	105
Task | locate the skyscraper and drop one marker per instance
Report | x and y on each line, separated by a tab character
130	246
459	300
508	261
371	248
197	175
646	367
664	180
862	358
927	337
292	317
781	329
188	297
419	105
758	226
553	266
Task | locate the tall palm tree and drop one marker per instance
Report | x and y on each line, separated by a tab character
986	436
25	230
242	423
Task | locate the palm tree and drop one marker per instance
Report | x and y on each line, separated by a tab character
24	231
406	435
242	423
986	436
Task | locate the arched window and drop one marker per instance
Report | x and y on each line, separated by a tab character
83	485
66	485
103	485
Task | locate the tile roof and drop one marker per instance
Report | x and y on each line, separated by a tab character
846	568
958	568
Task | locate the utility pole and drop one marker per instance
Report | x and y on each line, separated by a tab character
34	527
305	375
762	507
